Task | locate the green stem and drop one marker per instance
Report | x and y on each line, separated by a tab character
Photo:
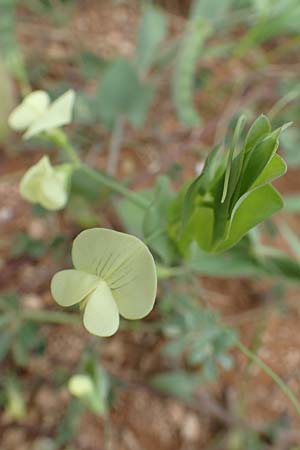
282	103
59	138
116	186
276	378
115	146
46	316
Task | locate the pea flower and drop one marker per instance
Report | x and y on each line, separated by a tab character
37	114
114	274
46	185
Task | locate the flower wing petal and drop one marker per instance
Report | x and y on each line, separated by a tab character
69	287
124	262
32	107
101	315
59	113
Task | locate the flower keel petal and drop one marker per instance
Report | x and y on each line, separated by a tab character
101	315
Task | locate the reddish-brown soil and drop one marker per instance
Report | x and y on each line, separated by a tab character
142	419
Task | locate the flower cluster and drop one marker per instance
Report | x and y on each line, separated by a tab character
36	114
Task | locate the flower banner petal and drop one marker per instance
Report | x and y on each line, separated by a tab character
69	287
101	315
124	263
59	113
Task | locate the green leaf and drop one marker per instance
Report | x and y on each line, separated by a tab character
289	144
202	183
152	31
210	9
199	228
292	203
232	176
180	384
91	64
121	93
283	266
257	160
251	209
131	215
233	263
259	129
5	343
155	222
226	189
274	169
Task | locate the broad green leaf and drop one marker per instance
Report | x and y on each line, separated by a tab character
257	161
101	315
155	222
121	93
281	265
131	215
151	32
259	129
91	64
6	340
138	111
250	210
59	113
274	169
289	144
69	287
202	183
233	263
124	263
210	9
32	108
199	228
181	384
292	203
231	176
204	218
226	189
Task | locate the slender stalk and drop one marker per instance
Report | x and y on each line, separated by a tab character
46	316
276	378
115	147
116	186
282	103
59	138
